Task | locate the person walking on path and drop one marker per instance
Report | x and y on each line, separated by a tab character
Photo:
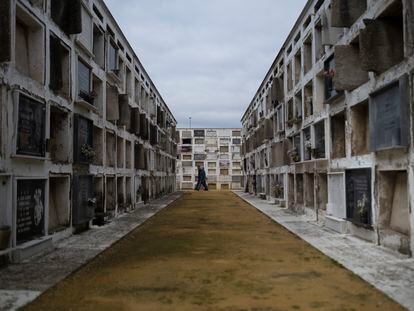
201	179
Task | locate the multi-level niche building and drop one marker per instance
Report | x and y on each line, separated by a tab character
85	135
330	130
217	150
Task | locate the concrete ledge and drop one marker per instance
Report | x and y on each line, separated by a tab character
335	224
32	248
390	272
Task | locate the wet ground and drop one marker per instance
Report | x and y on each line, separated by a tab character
212	251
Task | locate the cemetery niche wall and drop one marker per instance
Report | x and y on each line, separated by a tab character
334	107
82	124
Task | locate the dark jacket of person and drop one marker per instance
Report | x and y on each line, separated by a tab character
201	174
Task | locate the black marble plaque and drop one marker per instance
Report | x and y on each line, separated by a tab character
30	215
358	196
83	209
31	127
388	117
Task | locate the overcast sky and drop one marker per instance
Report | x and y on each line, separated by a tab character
206	57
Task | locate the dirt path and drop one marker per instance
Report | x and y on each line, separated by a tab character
212	251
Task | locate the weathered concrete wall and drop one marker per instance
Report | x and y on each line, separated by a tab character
353	90
43	110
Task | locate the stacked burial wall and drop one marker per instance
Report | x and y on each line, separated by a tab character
339	100
85	136
217	150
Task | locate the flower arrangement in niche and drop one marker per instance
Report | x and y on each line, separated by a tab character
88	151
294	155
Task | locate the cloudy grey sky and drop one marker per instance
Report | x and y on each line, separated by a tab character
206	57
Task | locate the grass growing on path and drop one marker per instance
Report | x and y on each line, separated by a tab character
212	251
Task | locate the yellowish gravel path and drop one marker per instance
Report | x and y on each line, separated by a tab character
212	251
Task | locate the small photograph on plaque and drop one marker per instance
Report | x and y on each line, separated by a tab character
30	215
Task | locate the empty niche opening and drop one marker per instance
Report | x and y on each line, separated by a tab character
309	190
360	129
319	94
29	46
98	146
298	66
319	148
394	212
299	190
393	201
128	82
59	67
307	54
319	48
110	149
120	152
187	141
59	203
322	191
290	112
120	194
112	103
307	144
128	192
97	93
289	76
309	99
128	154
137	91
98	189
99	46
298	107
60	147
110	195
338	135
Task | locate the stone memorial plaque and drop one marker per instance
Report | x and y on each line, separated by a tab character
83	140
83	196
30	214
200	157
31	127
135	121
358	196
199	133
389	116
319	152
